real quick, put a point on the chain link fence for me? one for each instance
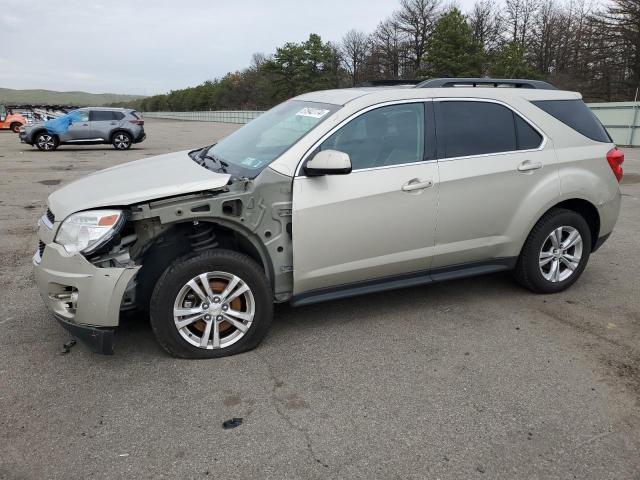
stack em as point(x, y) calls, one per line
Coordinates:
point(223, 116)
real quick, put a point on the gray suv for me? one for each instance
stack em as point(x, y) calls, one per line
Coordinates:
point(87, 126)
point(329, 195)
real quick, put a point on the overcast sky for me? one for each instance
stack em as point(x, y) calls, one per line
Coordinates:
point(149, 47)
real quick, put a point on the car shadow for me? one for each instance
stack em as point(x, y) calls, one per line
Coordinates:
point(135, 337)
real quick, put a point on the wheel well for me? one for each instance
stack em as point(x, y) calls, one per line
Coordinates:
point(588, 211)
point(187, 239)
point(42, 130)
point(113, 134)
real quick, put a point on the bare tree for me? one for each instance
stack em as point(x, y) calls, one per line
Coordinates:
point(354, 49)
point(387, 48)
point(519, 14)
point(416, 19)
point(486, 22)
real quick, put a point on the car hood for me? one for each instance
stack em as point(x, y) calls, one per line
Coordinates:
point(134, 182)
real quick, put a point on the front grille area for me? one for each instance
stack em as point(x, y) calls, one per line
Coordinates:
point(50, 216)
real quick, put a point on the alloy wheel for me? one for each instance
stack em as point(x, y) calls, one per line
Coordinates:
point(214, 310)
point(560, 254)
point(46, 142)
point(121, 141)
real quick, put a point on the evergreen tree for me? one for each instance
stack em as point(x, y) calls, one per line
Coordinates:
point(452, 49)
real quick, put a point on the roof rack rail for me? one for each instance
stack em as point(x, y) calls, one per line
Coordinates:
point(388, 83)
point(483, 82)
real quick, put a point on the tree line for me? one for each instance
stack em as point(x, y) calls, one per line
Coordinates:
point(574, 44)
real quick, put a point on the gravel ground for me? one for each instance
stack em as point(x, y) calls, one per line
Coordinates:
point(467, 379)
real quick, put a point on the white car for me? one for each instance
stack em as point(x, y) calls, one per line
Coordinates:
point(328, 195)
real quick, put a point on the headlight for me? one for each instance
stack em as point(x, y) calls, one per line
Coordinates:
point(87, 231)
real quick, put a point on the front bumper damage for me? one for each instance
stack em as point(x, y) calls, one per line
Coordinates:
point(85, 299)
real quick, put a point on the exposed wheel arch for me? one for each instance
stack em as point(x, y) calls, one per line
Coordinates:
point(184, 239)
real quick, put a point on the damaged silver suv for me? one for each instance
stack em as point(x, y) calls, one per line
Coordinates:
point(329, 195)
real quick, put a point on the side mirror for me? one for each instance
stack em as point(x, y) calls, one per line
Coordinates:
point(328, 162)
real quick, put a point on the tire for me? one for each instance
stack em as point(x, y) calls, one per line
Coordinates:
point(15, 127)
point(122, 141)
point(536, 268)
point(172, 291)
point(45, 141)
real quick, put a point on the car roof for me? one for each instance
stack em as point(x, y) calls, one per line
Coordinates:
point(374, 95)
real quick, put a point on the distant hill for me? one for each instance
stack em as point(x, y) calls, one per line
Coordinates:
point(50, 97)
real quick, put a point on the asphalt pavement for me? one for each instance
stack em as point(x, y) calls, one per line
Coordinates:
point(475, 378)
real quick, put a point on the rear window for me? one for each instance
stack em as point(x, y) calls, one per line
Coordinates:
point(575, 114)
point(134, 114)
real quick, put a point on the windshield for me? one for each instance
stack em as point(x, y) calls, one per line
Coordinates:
point(254, 146)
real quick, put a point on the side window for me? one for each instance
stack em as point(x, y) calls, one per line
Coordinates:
point(117, 115)
point(575, 114)
point(390, 135)
point(101, 115)
point(83, 115)
point(474, 128)
point(528, 138)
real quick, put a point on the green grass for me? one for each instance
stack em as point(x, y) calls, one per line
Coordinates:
point(50, 97)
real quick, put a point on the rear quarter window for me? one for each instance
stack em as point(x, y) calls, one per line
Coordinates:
point(575, 114)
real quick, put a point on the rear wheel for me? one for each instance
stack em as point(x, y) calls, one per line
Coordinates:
point(46, 142)
point(15, 127)
point(555, 253)
point(216, 304)
point(122, 141)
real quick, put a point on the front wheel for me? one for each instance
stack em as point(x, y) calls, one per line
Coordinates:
point(555, 253)
point(46, 142)
point(15, 127)
point(215, 304)
point(122, 141)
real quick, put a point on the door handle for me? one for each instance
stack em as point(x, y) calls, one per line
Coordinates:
point(416, 184)
point(85, 124)
point(528, 165)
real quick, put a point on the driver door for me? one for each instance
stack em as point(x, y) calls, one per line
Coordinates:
point(377, 223)
point(79, 130)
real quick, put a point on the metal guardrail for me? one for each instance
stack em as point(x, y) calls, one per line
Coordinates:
point(222, 116)
point(621, 119)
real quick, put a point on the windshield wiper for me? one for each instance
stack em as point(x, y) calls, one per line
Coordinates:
point(204, 154)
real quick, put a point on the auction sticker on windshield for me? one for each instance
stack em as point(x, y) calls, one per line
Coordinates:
point(312, 112)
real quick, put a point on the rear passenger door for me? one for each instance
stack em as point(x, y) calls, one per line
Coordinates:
point(103, 122)
point(496, 171)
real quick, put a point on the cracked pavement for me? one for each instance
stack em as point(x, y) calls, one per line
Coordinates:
point(475, 378)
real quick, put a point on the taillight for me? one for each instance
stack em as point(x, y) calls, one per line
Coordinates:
point(137, 122)
point(615, 158)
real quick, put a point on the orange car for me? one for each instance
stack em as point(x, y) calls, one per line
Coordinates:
point(11, 120)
